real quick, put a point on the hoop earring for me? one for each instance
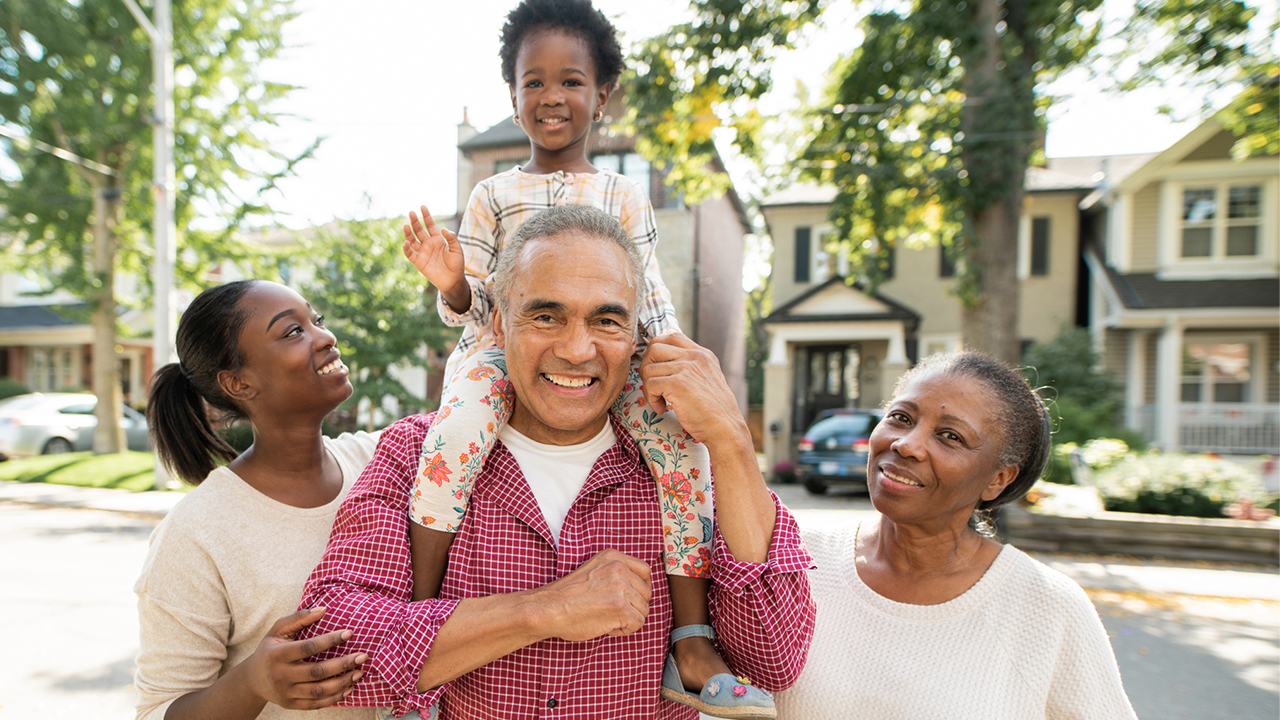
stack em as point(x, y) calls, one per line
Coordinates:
point(515, 119)
point(599, 115)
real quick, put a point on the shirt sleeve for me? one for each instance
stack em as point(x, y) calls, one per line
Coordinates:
point(184, 621)
point(763, 613)
point(478, 235)
point(1086, 679)
point(365, 582)
point(657, 314)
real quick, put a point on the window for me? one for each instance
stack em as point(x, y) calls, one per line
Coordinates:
point(1209, 232)
point(946, 267)
point(632, 165)
point(1217, 372)
point(51, 369)
point(1040, 246)
point(802, 254)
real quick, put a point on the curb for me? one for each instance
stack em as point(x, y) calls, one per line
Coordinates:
point(152, 504)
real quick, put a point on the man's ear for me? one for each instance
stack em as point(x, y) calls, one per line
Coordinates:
point(235, 387)
point(1004, 476)
point(499, 332)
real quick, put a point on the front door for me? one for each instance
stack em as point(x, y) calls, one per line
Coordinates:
point(827, 378)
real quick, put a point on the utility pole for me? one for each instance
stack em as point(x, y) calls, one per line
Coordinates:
point(164, 227)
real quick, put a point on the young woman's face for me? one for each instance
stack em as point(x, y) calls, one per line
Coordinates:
point(933, 456)
point(556, 95)
point(291, 362)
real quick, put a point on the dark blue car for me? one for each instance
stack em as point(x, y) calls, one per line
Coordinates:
point(833, 450)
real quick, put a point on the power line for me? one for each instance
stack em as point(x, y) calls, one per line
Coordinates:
point(58, 152)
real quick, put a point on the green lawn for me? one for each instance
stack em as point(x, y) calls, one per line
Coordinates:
point(129, 470)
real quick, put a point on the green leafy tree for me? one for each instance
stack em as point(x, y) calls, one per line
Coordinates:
point(929, 124)
point(378, 306)
point(1085, 400)
point(77, 76)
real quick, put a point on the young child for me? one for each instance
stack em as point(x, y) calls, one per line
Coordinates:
point(560, 59)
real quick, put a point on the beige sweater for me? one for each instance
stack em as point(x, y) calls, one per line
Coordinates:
point(224, 565)
point(1024, 642)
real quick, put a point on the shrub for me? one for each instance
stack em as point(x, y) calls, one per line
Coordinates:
point(1175, 484)
point(10, 387)
point(784, 472)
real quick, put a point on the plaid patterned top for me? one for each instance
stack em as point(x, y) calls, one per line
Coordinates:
point(501, 203)
point(763, 613)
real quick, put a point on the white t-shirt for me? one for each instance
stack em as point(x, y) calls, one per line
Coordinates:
point(556, 473)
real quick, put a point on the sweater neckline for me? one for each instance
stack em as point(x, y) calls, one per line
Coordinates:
point(941, 612)
point(275, 506)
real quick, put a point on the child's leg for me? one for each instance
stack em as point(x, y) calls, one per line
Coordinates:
point(453, 454)
point(682, 469)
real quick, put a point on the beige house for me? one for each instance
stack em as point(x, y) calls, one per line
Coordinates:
point(834, 344)
point(1184, 262)
point(700, 247)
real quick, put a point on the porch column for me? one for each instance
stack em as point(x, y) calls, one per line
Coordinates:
point(777, 401)
point(1168, 384)
point(1135, 379)
point(895, 362)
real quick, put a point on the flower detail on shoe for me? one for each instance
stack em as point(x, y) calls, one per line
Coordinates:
point(739, 690)
point(713, 688)
point(743, 680)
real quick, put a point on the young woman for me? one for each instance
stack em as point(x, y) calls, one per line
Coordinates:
point(233, 555)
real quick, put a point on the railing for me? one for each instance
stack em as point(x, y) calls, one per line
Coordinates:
point(1244, 428)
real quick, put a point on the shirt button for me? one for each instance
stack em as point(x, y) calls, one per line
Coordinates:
point(552, 703)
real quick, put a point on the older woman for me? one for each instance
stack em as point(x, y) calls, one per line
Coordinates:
point(921, 614)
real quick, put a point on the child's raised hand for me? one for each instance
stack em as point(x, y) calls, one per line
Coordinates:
point(436, 252)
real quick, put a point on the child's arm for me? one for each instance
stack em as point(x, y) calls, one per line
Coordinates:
point(437, 254)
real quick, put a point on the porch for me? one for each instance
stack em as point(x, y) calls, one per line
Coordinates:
point(1225, 428)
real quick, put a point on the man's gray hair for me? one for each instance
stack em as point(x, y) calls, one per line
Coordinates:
point(565, 220)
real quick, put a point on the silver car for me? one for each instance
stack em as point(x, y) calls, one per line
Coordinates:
point(45, 423)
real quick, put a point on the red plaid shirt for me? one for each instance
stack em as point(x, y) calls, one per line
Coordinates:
point(762, 613)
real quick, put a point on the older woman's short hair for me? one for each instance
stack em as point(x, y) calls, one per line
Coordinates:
point(580, 220)
point(1022, 417)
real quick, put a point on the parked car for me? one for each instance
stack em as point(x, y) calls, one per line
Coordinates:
point(833, 450)
point(47, 423)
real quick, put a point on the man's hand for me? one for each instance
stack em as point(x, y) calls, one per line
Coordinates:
point(437, 254)
point(683, 376)
point(607, 595)
point(278, 673)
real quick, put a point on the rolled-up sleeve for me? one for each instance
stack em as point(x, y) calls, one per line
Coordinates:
point(365, 582)
point(763, 613)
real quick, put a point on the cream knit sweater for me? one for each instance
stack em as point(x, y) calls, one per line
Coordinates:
point(224, 565)
point(1024, 642)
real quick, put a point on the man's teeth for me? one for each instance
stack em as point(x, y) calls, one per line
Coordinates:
point(900, 479)
point(568, 382)
point(331, 367)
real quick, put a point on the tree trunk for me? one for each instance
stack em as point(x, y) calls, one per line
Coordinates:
point(108, 437)
point(991, 323)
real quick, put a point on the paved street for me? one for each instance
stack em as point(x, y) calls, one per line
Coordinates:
point(1193, 640)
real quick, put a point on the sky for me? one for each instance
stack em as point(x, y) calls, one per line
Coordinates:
point(387, 82)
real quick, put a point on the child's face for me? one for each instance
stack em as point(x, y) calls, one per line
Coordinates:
point(556, 96)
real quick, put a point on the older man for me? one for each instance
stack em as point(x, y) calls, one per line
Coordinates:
point(573, 624)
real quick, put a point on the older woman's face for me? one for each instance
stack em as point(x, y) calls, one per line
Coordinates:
point(933, 457)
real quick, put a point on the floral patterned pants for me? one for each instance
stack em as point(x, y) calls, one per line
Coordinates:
point(479, 402)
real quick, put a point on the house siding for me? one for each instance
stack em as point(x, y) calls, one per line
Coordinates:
point(1146, 213)
point(1149, 394)
point(1047, 303)
point(1272, 355)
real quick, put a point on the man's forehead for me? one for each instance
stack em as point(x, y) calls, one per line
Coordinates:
point(566, 259)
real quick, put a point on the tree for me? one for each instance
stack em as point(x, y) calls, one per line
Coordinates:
point(929, 123)
point(77, 76)
point(378, 306)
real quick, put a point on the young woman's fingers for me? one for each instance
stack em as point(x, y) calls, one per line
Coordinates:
point(314, 672)
point(302, 649)
point(452, 239)
point(313, 696)
point(289, 625)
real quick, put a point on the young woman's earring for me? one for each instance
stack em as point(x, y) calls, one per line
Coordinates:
point(599, 115)
point(515, 119)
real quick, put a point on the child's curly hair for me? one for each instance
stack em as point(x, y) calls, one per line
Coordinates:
point(576, 17)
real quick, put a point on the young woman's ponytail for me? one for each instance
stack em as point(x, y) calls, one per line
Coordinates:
point(208, 342)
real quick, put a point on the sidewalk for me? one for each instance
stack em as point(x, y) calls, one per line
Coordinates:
point(1092, 572)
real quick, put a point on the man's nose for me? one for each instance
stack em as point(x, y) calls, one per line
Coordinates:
point(576, 344)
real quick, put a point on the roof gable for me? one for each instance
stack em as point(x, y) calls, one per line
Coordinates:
point(834, 300)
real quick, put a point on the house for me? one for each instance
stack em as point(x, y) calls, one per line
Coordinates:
point(46, 341)
point(835, 343)
point(1183, 257)
point(700, 248)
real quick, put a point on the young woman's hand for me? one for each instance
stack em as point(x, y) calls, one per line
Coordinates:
point(437, 254)
point(279, 674)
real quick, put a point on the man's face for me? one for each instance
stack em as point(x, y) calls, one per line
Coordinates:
point(569, 336)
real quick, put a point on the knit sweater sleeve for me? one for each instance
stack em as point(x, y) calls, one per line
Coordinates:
point(184, 621)
point(1085, 683)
